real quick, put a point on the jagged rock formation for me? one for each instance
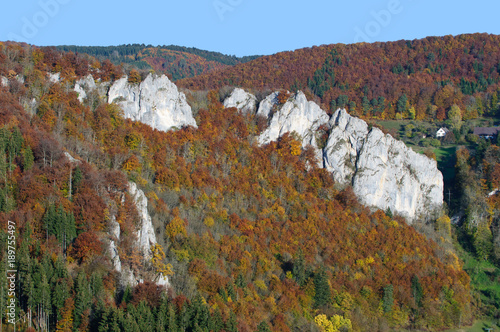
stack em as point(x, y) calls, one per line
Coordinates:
point(156, 102)
point(242, 100)
point(84, 85)
point(344, 142)
point(297, 115)
point(384, 172)
point(114, 232)
point(146, 235)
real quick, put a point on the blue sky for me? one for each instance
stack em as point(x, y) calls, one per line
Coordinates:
point(241, 27)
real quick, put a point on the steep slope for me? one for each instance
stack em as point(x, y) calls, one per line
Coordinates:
point(296, 115)
point(384, 172)
point(258, 237)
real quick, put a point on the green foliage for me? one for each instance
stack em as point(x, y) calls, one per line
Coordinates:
point(299, 268)
point(388, 299)
point(322, 292)
point(482, 241)
point(263, 327)
point(402, 103)
point(61, 224)
point(417, 291)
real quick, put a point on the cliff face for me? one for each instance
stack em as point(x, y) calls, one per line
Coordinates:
point(156, 102)
point(242, 100)
point(84, 85)
point(384, 172)
point(297, 115)
point(145, 239)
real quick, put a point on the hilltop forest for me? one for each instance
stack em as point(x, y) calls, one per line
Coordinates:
point(253, 238)
point(175, 61)
point(419, 79)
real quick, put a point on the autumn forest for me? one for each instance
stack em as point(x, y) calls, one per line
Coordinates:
point(252, 237)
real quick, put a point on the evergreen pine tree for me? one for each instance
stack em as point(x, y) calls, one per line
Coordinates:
point(322, 295)
point(299, 269)
point(83, 298)
point(417, 290)
point(231, 324)
point(388, 298)
point(263, 327)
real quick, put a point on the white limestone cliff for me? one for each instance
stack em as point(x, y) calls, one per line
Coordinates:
point(146, 235)
point(383, 171)
point(242, 100)
point(114, 232)
point(156, 102)
point(297, 115)
point(343, 145)
point(84, 85)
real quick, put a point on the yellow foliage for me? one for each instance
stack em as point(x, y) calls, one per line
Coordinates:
point(344, 301)
point(444, 224)
point(132, 164)
point(175, 227)
point(358, 276)
point(152, 195)
point(209, 221)
point(260, 284)
point(295, 148)
point(333, 324)
point(157, 261)
point(182, 255)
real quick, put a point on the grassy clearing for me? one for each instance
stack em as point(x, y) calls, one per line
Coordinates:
point(479, 326)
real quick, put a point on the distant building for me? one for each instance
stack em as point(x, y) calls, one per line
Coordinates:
point(442, 132)
point(486, 132)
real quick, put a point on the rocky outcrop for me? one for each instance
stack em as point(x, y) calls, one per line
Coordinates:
point(346, 138)
point(383, 171)
point(297, 115)
point(242, 100)
point(156, 102)
point(114, 232)
point(145, 239)
point(146, 235)
point(83, 86)
point(54, 77)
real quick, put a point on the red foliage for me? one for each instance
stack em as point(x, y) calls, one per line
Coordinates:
point(87, 245)
point(148, 291)
point(88, 208)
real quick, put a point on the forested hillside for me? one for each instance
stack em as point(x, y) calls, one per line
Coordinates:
point(256, 238)
point(175, 61)
point(419, 79)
